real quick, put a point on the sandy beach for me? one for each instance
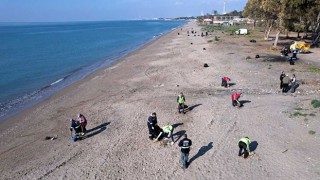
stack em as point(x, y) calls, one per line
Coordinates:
point(118, 100)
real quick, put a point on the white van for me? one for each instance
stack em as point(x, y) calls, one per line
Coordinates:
point(242, 31)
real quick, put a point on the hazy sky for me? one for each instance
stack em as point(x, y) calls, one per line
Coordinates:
point(93, 10)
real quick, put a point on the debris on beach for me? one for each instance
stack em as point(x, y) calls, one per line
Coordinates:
point(257, 56)
point(50, 137)
point(204, 49)
point(205, 65)
point(253, 41)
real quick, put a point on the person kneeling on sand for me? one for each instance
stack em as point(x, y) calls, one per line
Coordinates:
point(185, 145)
point(83, 122)
point(235, 99)
point(244, 145)
point(167, 132)
point(181, 100)
point(76, 126)
point(224, 82)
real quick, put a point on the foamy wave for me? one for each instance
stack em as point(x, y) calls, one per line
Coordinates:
point(59, 80)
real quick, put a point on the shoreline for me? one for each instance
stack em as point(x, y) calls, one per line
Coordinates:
point(54, 87)
point(117, 101)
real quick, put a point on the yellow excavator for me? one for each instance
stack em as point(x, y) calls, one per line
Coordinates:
point(301, 46)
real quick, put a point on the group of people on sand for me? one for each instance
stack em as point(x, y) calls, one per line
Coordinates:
point(288, 84)
point(156, 133)
point(79, 127)
point(166, 132)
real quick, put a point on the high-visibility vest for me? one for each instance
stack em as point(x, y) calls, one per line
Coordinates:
point(246, 141)
point(167, 129)
point(181, 99)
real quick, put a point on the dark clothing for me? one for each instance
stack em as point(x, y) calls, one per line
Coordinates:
point(150, 130)
point(152, 120)
point(281, 80)
point(154, 131)
point(224, 83)
point(185, 145)
point(236, 103)
point(83, 122)
point(243, 147)
point(285, 88)
point(181, 106)
point(285, 84)
point(76, 126)
point(293, 87)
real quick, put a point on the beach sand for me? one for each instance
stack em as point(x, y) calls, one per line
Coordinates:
point(118, 100)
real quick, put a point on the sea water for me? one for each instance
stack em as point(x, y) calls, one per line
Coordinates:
point(38, 59)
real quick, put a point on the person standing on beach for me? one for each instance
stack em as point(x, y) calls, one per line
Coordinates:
point(285, 84)
point(152, 122)
point(76, 127)
point(181, 100)
point(282, 75)
point(185, 145)
point(244, 145)
point(83, 122)
point(294, 84)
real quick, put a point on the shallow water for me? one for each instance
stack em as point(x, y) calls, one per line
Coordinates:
point(38, 59)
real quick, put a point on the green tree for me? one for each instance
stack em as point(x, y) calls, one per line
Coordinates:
point(286, 15)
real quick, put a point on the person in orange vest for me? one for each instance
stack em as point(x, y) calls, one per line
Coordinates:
point(235, 99)
point(224, 82)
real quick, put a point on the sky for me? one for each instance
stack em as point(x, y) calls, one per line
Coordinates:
point(99, 10)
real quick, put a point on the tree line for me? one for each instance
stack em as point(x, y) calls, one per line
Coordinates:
point(301, 16)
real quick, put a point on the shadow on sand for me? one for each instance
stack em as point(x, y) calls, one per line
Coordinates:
point(203, 150)
point(179, 134)
point(190, 108)
point(253, 145)
point(176, 125)
point(242, 102)
point(96, 130)
point(231, 84)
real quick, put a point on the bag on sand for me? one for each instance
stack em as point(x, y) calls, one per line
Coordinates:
point(294, 87)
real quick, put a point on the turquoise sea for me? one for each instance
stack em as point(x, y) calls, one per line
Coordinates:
point(38, 59)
